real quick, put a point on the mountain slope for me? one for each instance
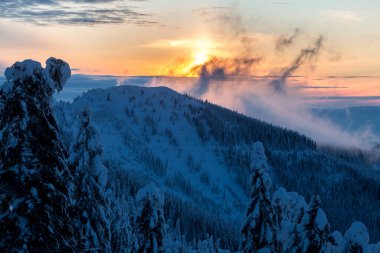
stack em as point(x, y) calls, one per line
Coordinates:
point(199, 154)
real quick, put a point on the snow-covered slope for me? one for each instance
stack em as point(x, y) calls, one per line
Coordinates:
point(136, 123)
point(144, 131)
point(199, 154)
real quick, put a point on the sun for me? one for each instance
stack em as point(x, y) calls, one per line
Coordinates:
point(200, 57)
point(199, 52)
point(202, 51)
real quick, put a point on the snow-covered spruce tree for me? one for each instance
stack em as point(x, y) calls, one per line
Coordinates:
point(290, 208)
point(315, 235)
point(174, 241)
point(91, 204)
point(121, 232)
point(356, 239)
point(150, 221)
point(259, 230)
point(34, 197)
point(209, 245)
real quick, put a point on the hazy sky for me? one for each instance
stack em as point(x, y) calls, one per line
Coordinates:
point(161, 37)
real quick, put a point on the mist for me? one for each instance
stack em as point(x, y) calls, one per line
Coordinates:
point(288, 110)
point(233, 83)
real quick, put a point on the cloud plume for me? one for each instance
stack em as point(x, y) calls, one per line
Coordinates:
point(286, 41)
point(307, 54)
point(219, 69)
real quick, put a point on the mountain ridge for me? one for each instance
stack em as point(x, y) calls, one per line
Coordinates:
point(198, 154)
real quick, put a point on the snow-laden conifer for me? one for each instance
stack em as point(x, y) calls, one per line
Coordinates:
point(91, 203)
point(34, 197)
point(314, 230)
point(121, 231)
point(259, 230)
point(357, 239)
point(290, 208)
point(150, 221)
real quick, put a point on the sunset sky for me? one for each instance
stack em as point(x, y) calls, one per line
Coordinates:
point(167, 37)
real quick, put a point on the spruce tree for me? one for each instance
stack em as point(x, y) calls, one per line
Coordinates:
point(259, 230)
point(150, 221)
point(357, 239)
point(290, 208)
point(34, 198)
point(120, 226)
point(315, 234)
point(91, 204)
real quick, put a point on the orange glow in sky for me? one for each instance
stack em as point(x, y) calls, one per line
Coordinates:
point(172, 37)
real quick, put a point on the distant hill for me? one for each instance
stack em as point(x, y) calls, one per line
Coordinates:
point(199, 153)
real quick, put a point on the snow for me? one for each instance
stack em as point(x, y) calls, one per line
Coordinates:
point(264, 250)
point(56, 73)
point(339, 241)
point(22, 70)
point(126, 137)
point(59, 71)
point(150, 192)
point(321, 220)
point(100, 172)
point(291, 203)
point(259, 160)
point(357, 234)
point(292, 207)
point(267, 181)
point(124, 141)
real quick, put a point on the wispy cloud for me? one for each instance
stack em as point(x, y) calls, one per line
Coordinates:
point(352, 77)
point(346, 98)
point(285, 41)
point(317, 87)
point(182, 43)
point(74, 12)
point(342, 14)
point(208, 11)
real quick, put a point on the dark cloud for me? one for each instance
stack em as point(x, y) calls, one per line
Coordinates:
point(305, 55)
point(23, 3)
point(285, 41)
point(219, 69)
point(232, 28)
point(74, 12)
point(51, 2)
